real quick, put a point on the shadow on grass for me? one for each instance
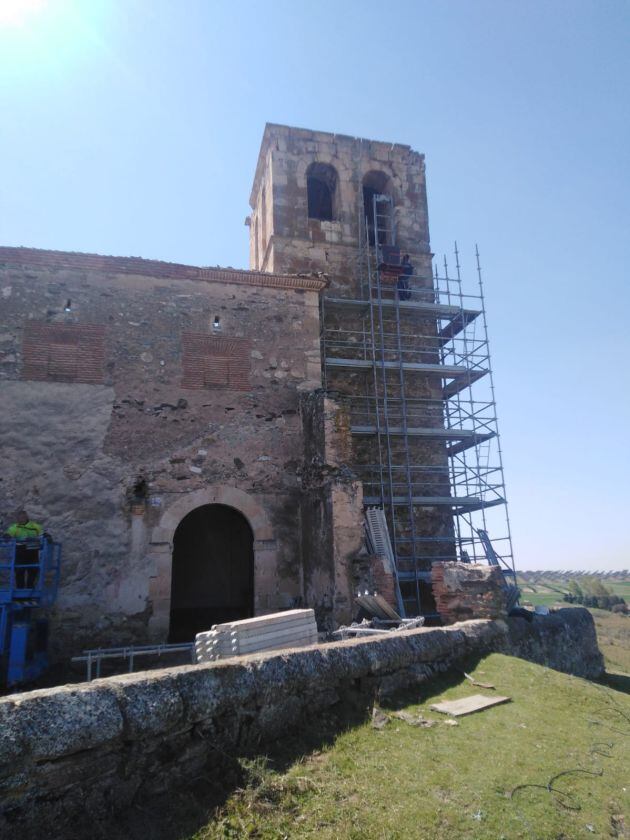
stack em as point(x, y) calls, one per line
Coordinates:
point(183, 811)
point(433, 687)
point(616, 680)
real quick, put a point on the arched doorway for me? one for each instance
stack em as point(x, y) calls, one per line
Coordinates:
point(212, 578)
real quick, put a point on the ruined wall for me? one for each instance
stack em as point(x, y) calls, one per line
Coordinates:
point(124, 384)
point(468, 590)
point(71, 754)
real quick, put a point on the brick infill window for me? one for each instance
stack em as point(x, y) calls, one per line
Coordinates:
point(215, 362)
point(63, 352)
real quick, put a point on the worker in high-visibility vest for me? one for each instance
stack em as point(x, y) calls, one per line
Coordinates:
point(24, 529)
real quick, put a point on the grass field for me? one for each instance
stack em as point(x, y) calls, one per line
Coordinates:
point(454, 781)
point(547, 591)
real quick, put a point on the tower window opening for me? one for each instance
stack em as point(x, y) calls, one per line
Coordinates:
point(321, 188)
point(377, 183)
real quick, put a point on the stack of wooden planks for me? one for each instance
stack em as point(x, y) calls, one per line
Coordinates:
point(290, 629)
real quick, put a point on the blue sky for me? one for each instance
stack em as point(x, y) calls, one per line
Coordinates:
point(132, 127)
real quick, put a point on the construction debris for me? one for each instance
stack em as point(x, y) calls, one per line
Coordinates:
point(379, 719)
point(468, 705)
point(415, 720)
point(473, 681)
point(376, 627)
point(290, 629)
point(377, 606)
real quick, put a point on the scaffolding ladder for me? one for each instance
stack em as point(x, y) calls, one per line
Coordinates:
point(437, 454)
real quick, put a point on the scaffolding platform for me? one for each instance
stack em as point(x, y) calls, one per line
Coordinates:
point(422, 412)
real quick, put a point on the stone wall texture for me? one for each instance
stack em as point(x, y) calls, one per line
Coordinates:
point(90, 750)
point(111, 372)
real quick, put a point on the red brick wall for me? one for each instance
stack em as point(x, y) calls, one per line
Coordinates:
point(63, 352)
point(215, 362)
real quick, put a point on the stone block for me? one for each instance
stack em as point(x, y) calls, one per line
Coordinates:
point(150, 704)
point(64, 721)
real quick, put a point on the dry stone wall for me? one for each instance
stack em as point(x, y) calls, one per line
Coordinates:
point(79, 753)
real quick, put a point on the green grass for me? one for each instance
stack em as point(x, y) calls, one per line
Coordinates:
point(549, 590)
point(448, 781)
point(545, 599)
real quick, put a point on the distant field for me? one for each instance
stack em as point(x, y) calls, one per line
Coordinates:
point(546, 591)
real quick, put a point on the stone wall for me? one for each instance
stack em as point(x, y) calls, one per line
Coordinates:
point(111, 373)
point(74, 751)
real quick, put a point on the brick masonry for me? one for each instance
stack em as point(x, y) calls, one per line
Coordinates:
point(463, 591)
point(64, 352)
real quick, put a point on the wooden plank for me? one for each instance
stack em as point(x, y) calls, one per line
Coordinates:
point(468, 705)
point(377, 605)
point(261, 620)
point(245, 632)
point(283, 646)
point(278, 636)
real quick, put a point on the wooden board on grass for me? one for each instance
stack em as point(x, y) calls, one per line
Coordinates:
point(468, 705)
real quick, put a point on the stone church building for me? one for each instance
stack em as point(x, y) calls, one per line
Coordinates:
point(185, 433)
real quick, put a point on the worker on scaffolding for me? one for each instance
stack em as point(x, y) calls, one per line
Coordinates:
point(403, 279)
point(25, 532)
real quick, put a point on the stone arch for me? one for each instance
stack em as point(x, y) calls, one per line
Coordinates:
point(345, 189)
point(219, 494)
point(161, 549)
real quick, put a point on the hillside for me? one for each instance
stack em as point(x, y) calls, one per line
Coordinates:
point(485, 777)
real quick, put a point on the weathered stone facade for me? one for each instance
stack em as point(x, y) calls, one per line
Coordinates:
point(164, 422)
point(466, 590)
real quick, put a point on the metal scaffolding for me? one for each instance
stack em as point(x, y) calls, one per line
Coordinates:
point(408, 357)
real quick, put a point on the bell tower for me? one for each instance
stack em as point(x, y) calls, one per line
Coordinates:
point(399, 347)
point(312, 192)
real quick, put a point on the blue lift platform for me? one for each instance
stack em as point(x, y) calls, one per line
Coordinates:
point(27, 588)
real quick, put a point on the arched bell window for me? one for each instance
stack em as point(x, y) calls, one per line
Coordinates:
point(321, 188)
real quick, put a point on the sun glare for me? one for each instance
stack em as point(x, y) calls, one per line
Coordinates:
point(19, 12)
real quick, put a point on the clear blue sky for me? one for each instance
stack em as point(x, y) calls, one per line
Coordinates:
point(132, 127)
